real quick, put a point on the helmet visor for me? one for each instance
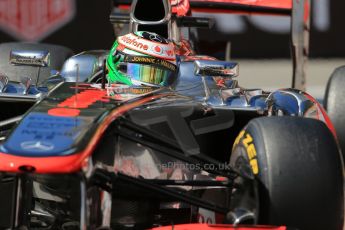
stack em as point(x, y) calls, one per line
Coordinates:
point(147, 70)
point(149, 74)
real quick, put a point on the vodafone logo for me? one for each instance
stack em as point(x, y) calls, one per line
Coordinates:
point(32, 20)
point(156, 49)
point(133, 42)
point(170, 52)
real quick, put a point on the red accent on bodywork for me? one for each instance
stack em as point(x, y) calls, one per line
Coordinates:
point(83, 99)
point(183, 7)
point(306, 12)
point(324, 114)
point(124, 7)
point(225, 11)
point(218, 227)
point(221, 178)
point(180, 7)
point(272, 4)
point(64, 112)
point(70, 163)
point(199, 57)
point(184, 48)
point(281, 4)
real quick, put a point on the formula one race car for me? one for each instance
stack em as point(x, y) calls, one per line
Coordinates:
point(151, 135)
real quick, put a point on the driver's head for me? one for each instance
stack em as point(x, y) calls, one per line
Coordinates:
point(142, 58)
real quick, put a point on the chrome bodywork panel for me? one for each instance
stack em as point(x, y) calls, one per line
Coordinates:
point(289, 102)
point(293, 102)
point(89, 63)
point(84, 67)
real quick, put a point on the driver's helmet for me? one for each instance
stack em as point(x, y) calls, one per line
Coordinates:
point(142, 59)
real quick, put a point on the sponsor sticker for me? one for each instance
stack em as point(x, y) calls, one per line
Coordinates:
point(248, 144)
point(133, 42)
point(40, 146)
point(251, 153)
point(40, 134)
point(150, 60)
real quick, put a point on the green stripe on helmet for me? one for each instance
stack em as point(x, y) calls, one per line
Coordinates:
point(113, 74)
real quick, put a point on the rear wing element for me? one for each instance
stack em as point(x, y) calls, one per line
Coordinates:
point(182, 7)
point(275, 7)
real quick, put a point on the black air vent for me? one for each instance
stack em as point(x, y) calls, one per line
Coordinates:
point(152, 10)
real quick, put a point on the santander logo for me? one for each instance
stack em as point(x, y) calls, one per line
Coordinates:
point(133, 42)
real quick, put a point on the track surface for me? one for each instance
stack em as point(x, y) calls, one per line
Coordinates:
point(274, 74)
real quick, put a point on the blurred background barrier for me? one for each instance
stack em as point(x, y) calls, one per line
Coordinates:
point(77, 24)
point(84, 24)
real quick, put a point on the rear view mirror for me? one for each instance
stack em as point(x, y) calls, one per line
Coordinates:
point(37, 58)
point(216, 68)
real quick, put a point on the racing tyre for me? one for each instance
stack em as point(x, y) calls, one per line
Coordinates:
point(295, 168)
point(333, 102)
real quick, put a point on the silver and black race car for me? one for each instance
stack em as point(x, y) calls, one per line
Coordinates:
point(81, 152)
